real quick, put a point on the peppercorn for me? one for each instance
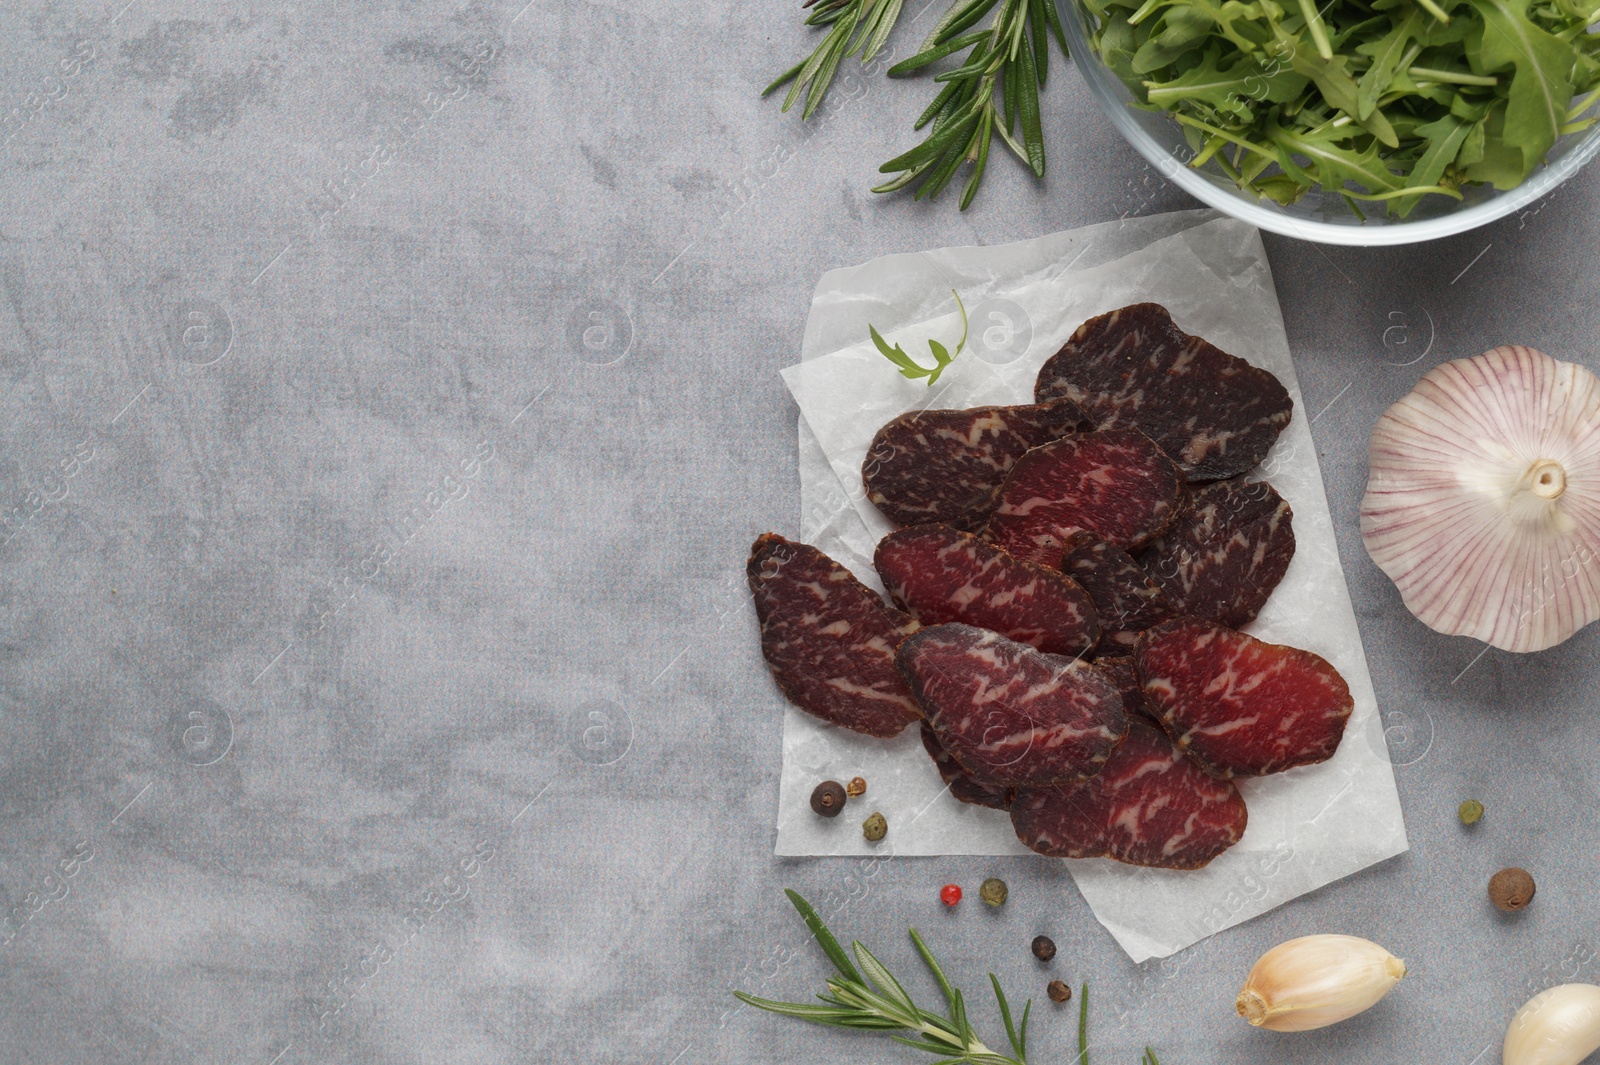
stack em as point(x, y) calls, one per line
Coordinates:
point(1470, 812)
point(857, 788)
point(993, 891)
point(1058, 991)
point(1511, 889)
point(828, 798)
point(950, 894)
point(875, 828)
point(1044, 948)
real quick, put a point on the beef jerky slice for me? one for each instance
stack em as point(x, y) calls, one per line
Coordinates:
point(1117, 485)
point(1214, 413)
point(947, 465)
point(1239, 706)
point(1012, 716)
point(1126, 599)
point(938, 574)
point(963, 785)
point(829, 639)
point(1223, 557)
point(1149, 806)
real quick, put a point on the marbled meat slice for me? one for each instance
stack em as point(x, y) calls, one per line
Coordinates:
point(1117, 485)
point(938, 574)
point(1237, 705)
point(946, 465)
point(1125, 598)
point(1214, 413)
point(1223, 557)
point(1124, 673)
point(963, 785)
point(829, 639)
point(1149, 806)
point(1012, 716)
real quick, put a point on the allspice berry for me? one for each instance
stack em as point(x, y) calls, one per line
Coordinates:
point(857, 787)
point(1058, 991)
point(993, 891)
point(875, 828)
point(1511, 889)
point(1044, 948)
point(828, 798)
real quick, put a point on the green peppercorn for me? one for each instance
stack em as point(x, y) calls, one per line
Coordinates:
point(828, 798)
point(1044, 948)
point(1470, 812)
point(875, 828)
point(1058, 991)
point(993, 891)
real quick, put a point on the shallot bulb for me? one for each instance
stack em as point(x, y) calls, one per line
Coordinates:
point(1483, 498)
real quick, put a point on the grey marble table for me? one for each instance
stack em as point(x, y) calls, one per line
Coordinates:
point(388, 397)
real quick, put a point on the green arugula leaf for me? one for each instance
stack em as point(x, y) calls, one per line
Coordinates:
point(1541, 88)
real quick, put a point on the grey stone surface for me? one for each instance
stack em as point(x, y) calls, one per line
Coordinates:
point(388, 396)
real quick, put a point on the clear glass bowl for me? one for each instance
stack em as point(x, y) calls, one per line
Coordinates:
point(1318, 216)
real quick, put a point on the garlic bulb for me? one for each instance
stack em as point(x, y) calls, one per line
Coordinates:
point(1560, 1026)
point(1483, 498)
point(1315, 981)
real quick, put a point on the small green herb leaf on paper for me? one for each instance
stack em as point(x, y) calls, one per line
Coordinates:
point(942, 357)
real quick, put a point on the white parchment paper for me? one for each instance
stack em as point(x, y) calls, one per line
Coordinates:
point(1308, 827)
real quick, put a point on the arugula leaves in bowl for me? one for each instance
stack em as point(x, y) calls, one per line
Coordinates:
point(1390, 101)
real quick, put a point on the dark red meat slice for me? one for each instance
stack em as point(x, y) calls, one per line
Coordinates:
point(1124, 673)
point(963, 785)
point(1012, 716)
point(1237, 705)
point(946, 465)
point(829, 639)
point(1214, 413)
point(938, 574)
point(1117, 485)
point(1126, 600)
point(1149, 806)
point(1225, 555)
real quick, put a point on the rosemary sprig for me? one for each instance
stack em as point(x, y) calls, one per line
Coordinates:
point(883, 1005)
point(941, 357)
point(857, 26)
point(995, 89)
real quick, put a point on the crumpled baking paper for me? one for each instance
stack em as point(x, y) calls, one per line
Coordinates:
point(1309, 826)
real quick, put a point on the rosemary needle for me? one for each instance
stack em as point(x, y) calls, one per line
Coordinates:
point(994, 90)
point(857, 26)
point(876, 1001)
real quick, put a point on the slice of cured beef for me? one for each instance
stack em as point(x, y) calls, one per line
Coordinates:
point(829, 639)
point(1223, 557)
point(1214, 413)
point(1237, 705)
point(1012, 716)
point(1124, 673)
point(1117, 485)
point(939, 574)
point(1126, 599)
point(1149, 806)
point(963, 785)
point(946, 465)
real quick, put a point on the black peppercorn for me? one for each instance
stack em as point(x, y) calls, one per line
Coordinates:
point(828, 798)
point(1044, 948)
point(1058, 991)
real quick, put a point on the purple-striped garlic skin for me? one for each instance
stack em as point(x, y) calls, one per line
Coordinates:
point(1483, 498)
